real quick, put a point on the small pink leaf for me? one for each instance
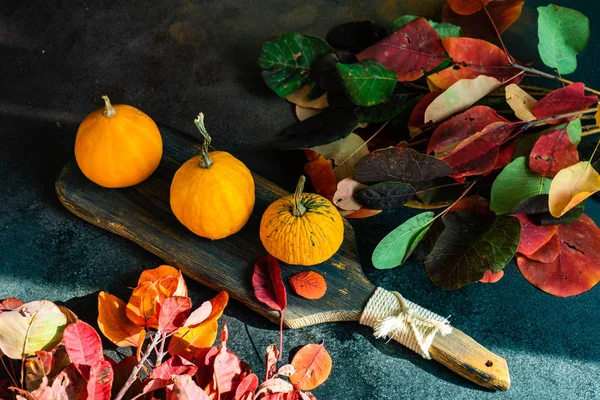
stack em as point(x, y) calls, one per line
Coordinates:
point(199, 315)
point(173, 313)
point(185, 388)
point(83, 346)
point(344, 196)
point(175, 365)
point(271, 357)
point(246, 387)
point(491, 277)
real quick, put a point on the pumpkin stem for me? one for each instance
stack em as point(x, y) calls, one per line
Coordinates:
point(109, 111)
point(299, 208)
point(205, 161)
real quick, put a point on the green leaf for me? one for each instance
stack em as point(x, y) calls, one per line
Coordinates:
point(395, 106)
point(515, 184)
point(444, 29)
point(397, 246)
point(385, 195)
point(286, 60)
point(33, 326)
point(574, 131)
point(563, 33)
point(470, 245)
point(368, 82)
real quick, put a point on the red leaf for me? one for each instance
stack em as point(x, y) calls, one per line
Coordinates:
point(505, 156)
point(247, 386)
point(321, 174)
point(10, 303)
point(548, 252)
point(467, 7)
point(175, 365)
point(552, 152)
point(205, 361)
point(458, 128)
point(576, 269)
point(473, 57)
point(267, 283)
point(504, 13)
point(533, 237)
point(100, 382)
point(417, 117)
point(309, 284)
point(69, 384)
point(271, 357)
point(199, 315)
point(490, 277)
point(562, 101)
point(227, 368)
point(84, 347)
point(410, 51)
point(313, 365)
point(476, 204)
point(173, 313)
point(185, 388)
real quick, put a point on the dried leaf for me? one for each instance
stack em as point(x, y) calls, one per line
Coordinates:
point(301, 98)
point(31, 327)
point(564, 100)
point(69, 384)
point(473, 58)
point(385, 195)
point(460, 96)
point(576, 269)
point(313, 365)
point(553, 152)
point(100, 382)
point(521, 102)
point(306, 113)
point(570, 187)
point(403, 165)
point(273, 385)
point(410, 51)
point(113, 321)
point(84, 347)
point(10, 303)
point(309, 284)
point(344, 196)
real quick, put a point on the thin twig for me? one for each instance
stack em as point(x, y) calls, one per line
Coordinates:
point(543, 74)
point(138, 367)
point(12, 378)
point(361, 146)
point(438, 187)
point(536, 88)
point(447, 210)
point(510, 59)
point(591, 132)
point(544, 121)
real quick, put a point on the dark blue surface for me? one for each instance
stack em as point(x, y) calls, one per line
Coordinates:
point(175, 58)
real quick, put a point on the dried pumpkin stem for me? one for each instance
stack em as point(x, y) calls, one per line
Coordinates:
point(205, 161)
point(299, 208)
point(109, 110)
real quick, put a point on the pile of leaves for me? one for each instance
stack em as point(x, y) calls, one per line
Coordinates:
point(62, 357)
point(434, 115)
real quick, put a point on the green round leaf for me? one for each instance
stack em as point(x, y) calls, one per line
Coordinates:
point(368, 82)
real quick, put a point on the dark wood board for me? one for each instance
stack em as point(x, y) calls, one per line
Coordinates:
point(143, 215)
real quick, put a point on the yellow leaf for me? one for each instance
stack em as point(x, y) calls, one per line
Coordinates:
point(300, 97)
point(460, 96)
point(113, 321)
point(571, 186)
point(521, 102)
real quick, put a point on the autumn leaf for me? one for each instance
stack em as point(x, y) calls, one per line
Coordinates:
point(576, 269)
point(246, 388)
point(385, 195)
point(515, 184)
point(548, 252)
point(553, 152)
point(538, 211)
point(400, 165)
point(306, 113)
point(416, 122)
point(286, 60)
point(227, 368)
point(397, 246)
point(460, 96)
point(491, 277)
point(564, 100)
point(472, 58)
point(321, 174)
point(467, 7)
point(84, 347)
point(571, 186)
point(267, 283)
point(175, 365)
point(173, 313)
point(486, 243)
point(344, 195)
point(504, 13)
point(113, 321)
point(309, 284)
point(410, 51)
point(184, 388)
point(520, 101)
point(301, 98)
point(533, 237)
point(460, 127)
point(368, 82)
point(69, 384)
point(344, 154)
point(563, 33)
point(442, 28)
point(10, 303)
point(100, 382)
point(33, 326)
point(313, 365)
point(199, 315)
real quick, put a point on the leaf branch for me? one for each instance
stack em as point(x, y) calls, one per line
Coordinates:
point(543, 74)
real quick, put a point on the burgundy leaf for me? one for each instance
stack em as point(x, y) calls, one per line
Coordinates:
point(562, 101)
point(100, 383)
point(173, 313)
point(199, 315)
point(267, 283)
point(84, 346)
point(552, 152)
point(410, 51)
point(175, 365)
point(416, 121)
point(205, 361)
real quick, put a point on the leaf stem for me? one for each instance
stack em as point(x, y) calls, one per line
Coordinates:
point(12, 378)
point(138, 367)
point(447, 210)
point(590, 132)
point(544, 121)
point(438, 187)
point(543, 74)
point(205, 161)
point(280, 334)
point(361, 146)
point(510, 59)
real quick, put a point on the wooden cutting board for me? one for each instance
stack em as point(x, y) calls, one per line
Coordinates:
point(142, 214)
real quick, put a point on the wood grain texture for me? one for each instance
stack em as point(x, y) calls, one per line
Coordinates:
point(142, 214)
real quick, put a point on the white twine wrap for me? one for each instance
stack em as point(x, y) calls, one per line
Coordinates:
point(413, 326)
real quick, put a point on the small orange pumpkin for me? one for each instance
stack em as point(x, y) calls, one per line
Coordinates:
point(118, 146)
point(212, 194)
point(302, 229)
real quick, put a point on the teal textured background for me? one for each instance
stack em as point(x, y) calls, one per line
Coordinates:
point(175, 58)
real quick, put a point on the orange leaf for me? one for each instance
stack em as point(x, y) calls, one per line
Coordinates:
point(169, 279)
point(142, 306)
point(467, 7)
point(309, 284)
point(189, 341)
point(113, 321)
point(142, 337)
point(313, 365)
point(321, 174)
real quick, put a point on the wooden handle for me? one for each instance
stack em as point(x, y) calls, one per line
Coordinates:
point(463, 355)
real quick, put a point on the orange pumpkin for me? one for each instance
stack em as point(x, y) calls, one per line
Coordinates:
point(302, 229)
point(212, 194)
point(118, 146)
